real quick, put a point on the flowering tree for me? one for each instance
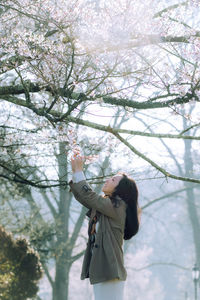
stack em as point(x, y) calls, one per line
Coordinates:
point(58, 56)
point(73, 65)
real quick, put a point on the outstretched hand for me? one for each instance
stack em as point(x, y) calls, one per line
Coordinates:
point(77, 163)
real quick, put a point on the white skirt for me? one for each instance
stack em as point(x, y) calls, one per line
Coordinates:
point(109, 290)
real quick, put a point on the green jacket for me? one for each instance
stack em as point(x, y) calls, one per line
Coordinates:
point(106, 261)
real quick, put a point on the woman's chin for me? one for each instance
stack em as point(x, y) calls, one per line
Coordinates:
point(104, 191)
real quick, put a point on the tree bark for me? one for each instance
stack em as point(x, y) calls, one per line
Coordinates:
point(190, 199)
point(61, 283)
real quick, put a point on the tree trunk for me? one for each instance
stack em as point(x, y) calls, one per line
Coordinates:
point(61, 283)
point(190, 199)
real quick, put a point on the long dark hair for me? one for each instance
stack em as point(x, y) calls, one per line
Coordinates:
point(128, 192)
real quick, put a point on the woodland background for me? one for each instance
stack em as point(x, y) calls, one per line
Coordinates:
point(119, 79)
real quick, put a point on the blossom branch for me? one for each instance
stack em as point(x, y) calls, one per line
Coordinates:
point(124, 102)
point(97, 126)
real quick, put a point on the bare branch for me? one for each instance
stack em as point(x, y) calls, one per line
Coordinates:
point(155, 165)
point(166, 196)
point(160, 264)
point(48, 274)
point(171, 7)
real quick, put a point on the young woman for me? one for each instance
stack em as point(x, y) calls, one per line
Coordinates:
point(113, 217)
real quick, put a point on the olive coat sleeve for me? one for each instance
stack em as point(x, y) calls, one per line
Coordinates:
point(87, 197)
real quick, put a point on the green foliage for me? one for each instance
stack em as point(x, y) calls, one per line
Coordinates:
point(20, 268)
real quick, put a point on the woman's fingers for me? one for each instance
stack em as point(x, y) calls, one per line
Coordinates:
point(77, 163)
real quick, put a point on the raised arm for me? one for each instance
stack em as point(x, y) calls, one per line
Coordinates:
point(87, 197)
point(84, 193)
